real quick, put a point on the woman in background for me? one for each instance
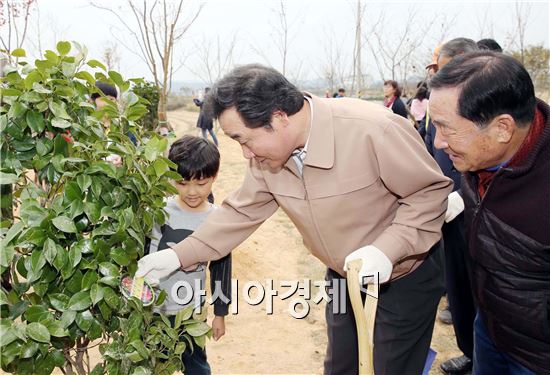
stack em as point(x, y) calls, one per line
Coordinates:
point(392, 98)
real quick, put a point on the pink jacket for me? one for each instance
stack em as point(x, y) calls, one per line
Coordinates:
point(418, 108)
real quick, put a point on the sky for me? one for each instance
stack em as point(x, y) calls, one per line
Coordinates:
point(313, 26)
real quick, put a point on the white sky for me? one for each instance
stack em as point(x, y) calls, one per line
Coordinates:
point(311, 24)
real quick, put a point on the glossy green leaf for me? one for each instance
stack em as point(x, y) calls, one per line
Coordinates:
point(84, 320)
point(80, 301)
point(35, 120)
point(108, 269)
point(43, 146)
point(37, 87)
point(56, 329)
point(58, 109)
point(96, 64)
point(8, 178)
point(111, 297)
point(9, 92)
point(36, 313)
point(59, 301)
point(50, 250)
point(63, 47)
point(197, 329)
point(96, 293)
point(60, 123)
point(38, 332)
point(63, 223)
point(67, 318)
point(29, 349)
point(18, 52)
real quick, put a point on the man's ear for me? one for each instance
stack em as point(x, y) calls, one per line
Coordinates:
point(280, 117)
point(505, 127)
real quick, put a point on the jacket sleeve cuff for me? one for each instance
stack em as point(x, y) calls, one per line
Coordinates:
point(391, 247)
point(221, 309)
point(187, 253)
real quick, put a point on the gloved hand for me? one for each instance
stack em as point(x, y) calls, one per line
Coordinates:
point(158, 265)
point(455, 206)
point(374, 262)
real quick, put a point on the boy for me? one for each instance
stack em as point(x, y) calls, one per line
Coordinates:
point(198, 162)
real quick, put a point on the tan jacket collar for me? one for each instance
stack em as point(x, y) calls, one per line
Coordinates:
point(320, 149)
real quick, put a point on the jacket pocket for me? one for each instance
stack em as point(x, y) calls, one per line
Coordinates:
point(342, 186)
point(289, 189)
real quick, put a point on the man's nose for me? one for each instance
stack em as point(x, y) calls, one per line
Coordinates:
point(439, 140)
point(247, 153)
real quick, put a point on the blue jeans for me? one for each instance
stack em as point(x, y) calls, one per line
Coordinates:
point(194, 360)
point(211, 131)
point(488, 360)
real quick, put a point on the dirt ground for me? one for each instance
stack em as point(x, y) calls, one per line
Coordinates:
point(277, 343)
point(258, 343)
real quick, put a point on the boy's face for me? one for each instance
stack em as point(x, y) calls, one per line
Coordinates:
point(100, 102)
point(193, 194)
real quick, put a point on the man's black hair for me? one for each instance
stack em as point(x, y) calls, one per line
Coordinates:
point(489, 44)
point(256, 92)
point(196, 158)
point(491, 84)
point(106, 89)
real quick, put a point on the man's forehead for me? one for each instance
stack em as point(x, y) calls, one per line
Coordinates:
point(442, 104)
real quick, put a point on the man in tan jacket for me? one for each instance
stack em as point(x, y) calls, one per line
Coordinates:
point(357, 182)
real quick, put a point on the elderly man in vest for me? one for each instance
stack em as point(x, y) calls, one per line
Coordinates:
point(497, 134)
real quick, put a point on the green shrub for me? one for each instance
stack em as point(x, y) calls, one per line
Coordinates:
point(80, 225)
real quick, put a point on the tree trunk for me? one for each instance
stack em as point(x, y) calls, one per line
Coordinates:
point(162, 109)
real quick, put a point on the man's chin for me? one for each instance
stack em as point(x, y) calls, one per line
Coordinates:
point(271, 165)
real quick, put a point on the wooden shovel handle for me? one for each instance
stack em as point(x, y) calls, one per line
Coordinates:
point(364, 317)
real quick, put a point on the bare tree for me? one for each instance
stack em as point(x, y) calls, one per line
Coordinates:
point(516, 38)
point(485, 25)
point(214, 58)
point(282, 33)
point(357, 83)
point(156, 30)
point(14, 15)
point(335, 67)
point(396, 53)
point(282, 36)
point(111, 57)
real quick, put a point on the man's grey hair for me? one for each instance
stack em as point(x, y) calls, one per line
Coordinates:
point(458, 46)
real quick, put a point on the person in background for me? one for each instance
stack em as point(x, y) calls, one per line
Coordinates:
point(392, 98)
point(419, 104)
point(497, 133)
point(460, 311)
point(205, 121)
point(99, 101)
point(341, 93)
point(489, 45)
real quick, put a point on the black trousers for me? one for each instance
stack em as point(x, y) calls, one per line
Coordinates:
point(404, 322)
point(457, 283)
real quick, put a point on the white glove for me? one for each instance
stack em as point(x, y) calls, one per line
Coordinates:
point(375, 262)
point(455, 206)
point(158, 265)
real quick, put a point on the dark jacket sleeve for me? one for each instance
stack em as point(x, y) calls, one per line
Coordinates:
point(220, 284)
